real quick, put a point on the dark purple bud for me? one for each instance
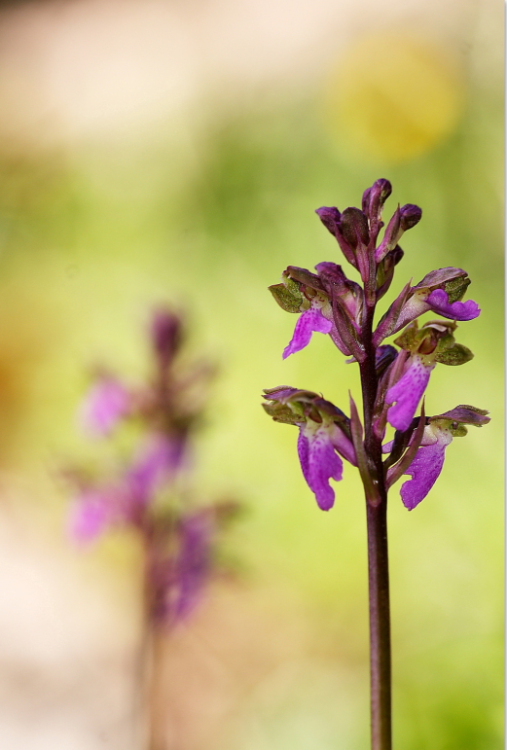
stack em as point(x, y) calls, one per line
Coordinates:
point(404, 218)
point(330, 217)
point(166, 333)
point(354, 227)
point(410, 215)
point(374, 199)
point(385, 270)
point(336, 284)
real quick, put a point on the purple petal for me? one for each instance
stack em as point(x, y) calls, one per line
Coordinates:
point(107, 403)
point(193, 565)
point(439, 303)
point(320, 463)
point(90, 515)
point(310, 321)
point(343, 444)
point(158, 460)
point(425, 469)
point(407, 393)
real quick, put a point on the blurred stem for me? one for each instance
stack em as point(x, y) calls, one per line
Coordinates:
point(154, 676)
point(378, 563)
point(152, 654)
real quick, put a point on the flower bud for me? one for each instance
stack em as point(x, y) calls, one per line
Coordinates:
point(410, 215)
point(404, 218)
point(166, 334)
point(374, 199)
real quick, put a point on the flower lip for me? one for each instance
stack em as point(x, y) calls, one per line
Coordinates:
point(319, 462)
point(439, 302)
point(426, 467)
point(309, 322)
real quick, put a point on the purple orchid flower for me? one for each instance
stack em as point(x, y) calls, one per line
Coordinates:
point(320, 462)
point(106, 404)
point(427, 465)
point(407, 392)
point(433, 293)
point(309, 322)
point(126, 500)
point(324, 436)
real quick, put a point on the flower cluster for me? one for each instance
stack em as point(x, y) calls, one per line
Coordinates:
point(394, 376)
point(149, 492)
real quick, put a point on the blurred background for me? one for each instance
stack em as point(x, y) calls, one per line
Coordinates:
point(169, 151)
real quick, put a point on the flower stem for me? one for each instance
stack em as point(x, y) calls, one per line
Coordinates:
point(380, 639)
point(378, 562)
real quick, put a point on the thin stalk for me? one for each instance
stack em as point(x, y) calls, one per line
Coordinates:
point(155, 713)
point(380, 637)
point(152, 648)
point(378, 564)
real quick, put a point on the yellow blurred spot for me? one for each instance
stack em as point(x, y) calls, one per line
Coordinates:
point(394, 97)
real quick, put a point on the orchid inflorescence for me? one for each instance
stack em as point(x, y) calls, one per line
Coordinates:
point(149, 493)
point(394, 379)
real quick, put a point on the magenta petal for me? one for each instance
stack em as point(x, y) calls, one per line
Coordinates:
point(90, 515)
point(107, 403)
point(309, 322)
point(407, 393)
point(343, 444)
point(158, 461)
point(193, 565)
point(439, 303)
point(425, 470)
point(320, 463)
